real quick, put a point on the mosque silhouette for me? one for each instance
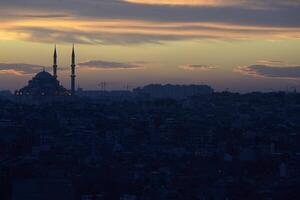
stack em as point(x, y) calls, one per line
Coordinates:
point(46, 84)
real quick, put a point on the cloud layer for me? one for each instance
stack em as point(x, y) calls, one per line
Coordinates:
point(197, 67)
point(254, 4)
point(108, 65)
point(277, 70)
point(19, 69)
point(187, 2)
point(153, 21)
point(23, 69)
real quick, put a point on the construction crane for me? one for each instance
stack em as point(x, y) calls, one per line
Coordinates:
point(127, 87)
point(102, 85)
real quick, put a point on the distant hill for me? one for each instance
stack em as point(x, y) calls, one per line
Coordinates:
point(174, 91)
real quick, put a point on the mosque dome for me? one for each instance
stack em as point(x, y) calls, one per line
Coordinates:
point(43, 84)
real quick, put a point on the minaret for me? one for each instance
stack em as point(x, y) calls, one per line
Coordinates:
point(73, 76)
point(55, 63)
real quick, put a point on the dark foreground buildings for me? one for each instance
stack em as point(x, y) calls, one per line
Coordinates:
point(206, 146)
point(159, 142)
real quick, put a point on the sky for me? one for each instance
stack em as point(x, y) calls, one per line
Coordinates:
point(236, 45)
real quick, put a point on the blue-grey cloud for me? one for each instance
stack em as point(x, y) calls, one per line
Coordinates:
point(284, 71)
point(19, 69)
point(264, 18)
point(285, 13)
point(109, 65)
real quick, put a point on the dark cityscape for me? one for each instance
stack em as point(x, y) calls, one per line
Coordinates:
point(149, 100)
point(155, 142)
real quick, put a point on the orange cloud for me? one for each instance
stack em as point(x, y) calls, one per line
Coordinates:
point(197, 67)
point(254, 4)
point(12, 72)
point(19, 69)
point(188, 2)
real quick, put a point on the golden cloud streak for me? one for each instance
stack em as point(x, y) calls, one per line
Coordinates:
point(22, 29)
point(12, 72)
point(191, 67)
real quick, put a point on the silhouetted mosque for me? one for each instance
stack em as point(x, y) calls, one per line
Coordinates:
point(46, 84)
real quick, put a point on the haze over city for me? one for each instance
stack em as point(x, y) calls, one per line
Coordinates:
point(237, 45)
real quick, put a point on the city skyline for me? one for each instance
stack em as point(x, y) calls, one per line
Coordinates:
point(149, 99)
point(238, 45)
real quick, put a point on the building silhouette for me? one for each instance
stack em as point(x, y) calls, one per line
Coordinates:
point(46, 84)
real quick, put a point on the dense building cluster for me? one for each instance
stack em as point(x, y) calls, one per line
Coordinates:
point(206, 146)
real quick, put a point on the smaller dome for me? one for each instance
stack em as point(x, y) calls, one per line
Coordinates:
point(43, 75)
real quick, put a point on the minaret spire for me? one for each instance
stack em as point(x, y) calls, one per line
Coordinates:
point(73, 75)
point(55, 62)
point(73, 55)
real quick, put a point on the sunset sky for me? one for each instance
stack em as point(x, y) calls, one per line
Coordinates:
point(239, 45)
